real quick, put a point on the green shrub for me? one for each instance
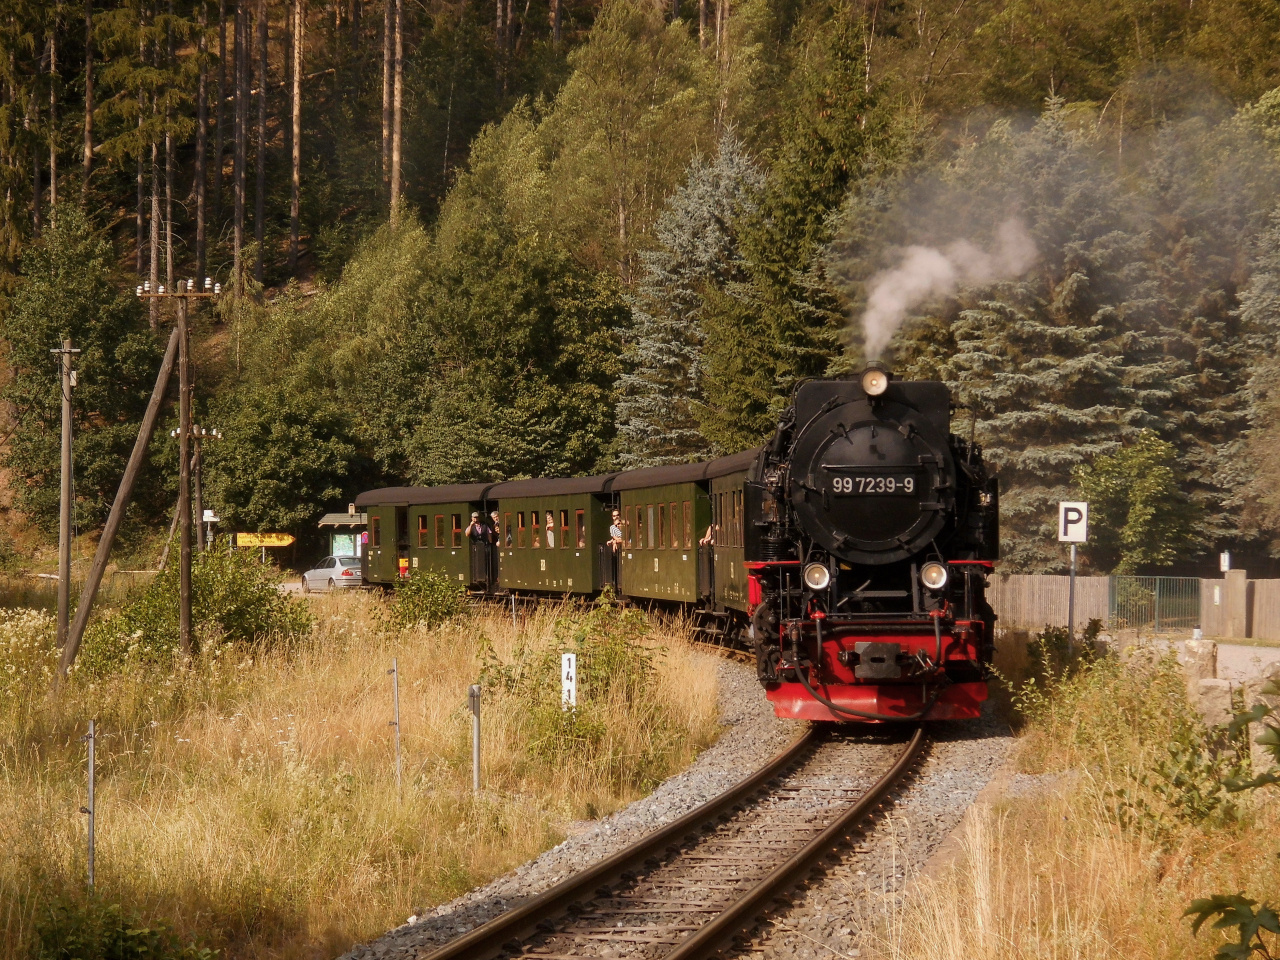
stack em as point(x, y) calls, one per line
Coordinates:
point(234, 599)
point(92, 930)
point(426, 599)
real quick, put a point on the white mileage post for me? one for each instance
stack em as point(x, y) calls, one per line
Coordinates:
point(568, 681)
point(1073, 528)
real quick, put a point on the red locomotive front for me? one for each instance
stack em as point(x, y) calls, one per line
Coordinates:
point(871, 532)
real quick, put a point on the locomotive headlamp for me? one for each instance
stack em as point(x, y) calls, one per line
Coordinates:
point(934, 575)
point(817, 576)
point(875, 381)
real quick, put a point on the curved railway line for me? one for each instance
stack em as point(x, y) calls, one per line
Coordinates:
point(685, 891)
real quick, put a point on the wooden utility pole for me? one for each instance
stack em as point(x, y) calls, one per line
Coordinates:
point(198, 436)
point(184, 480)
point(90, 590)
point(184, 293)
point(64, 513)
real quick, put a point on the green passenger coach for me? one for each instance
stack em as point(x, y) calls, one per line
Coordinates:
point(421, 528)
point(681, 537)
point(551, 532)
point(665, 511)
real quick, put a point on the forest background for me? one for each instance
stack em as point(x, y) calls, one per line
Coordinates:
point(468, 241)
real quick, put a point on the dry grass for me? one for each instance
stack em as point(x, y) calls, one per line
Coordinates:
point(1055, 876)
point(1061, 872)
point(251, 799)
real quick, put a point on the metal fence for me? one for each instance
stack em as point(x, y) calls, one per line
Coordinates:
point(1154, 603)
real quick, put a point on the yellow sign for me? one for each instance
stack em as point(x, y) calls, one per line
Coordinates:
point(263, 539)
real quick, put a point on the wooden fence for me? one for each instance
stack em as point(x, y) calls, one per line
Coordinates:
point(1265, 610)
point(1032, 602)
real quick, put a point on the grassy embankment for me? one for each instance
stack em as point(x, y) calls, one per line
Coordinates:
point(249, 799)
point(1126, 823)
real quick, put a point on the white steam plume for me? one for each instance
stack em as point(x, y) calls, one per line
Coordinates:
point(925, 273)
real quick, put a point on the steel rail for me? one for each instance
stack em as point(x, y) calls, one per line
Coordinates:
point(491, 939)
point(711, 937)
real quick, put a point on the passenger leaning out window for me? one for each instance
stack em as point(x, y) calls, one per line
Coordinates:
point(476, 530)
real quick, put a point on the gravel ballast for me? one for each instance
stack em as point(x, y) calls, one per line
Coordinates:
point(827, 916)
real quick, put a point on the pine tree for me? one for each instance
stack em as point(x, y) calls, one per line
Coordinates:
point(697, 249)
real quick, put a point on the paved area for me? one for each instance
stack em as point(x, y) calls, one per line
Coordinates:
point(1238, 662)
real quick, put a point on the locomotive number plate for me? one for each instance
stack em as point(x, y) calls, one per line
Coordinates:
point(888, 484)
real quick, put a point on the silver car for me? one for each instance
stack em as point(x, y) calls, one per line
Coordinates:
point(333, 573)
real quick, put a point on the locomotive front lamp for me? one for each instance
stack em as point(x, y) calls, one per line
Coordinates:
point(875, 381)
point(934, 575)
point(817, 576)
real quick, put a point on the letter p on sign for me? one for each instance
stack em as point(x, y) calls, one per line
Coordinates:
point(1073, 522)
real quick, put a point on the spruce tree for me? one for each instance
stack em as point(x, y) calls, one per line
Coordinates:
point(1039, 362)
point(697, 252)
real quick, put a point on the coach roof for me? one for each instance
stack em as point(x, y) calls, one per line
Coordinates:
point(410, 496)
point(550, 486)
point(684, 472)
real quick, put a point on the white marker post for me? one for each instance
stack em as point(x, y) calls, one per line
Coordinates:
point(1073, 528)
point(568, 681)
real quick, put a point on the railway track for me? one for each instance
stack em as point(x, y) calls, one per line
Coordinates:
point(687, 890)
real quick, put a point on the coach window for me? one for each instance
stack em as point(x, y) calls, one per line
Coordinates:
point(675, 526)
point(688, 525)
point(737, 518)
point(564, 529)
point(375, 531)
point(520, 540)
point(662, 526)
point(424, 531)
point(457, 529)
point(535, 518)
point(649, 534)
point(439, 529)
point(629, 525)
point(506, 524)
point(580, 528)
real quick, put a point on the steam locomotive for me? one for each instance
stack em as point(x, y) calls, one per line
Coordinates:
point(850, 553)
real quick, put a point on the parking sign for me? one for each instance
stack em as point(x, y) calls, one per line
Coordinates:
point(1073, 522)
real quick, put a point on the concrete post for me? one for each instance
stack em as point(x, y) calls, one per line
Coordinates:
point(1235, 602)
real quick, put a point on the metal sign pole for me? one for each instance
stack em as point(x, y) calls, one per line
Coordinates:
point(91, 738)
point(395, 697)
point(1071, 598)
point(1073, 528)
point(473, 699)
